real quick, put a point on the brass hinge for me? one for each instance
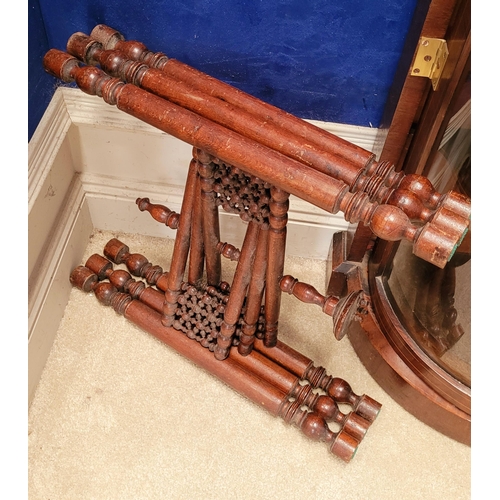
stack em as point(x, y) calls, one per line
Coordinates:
point(430, 59)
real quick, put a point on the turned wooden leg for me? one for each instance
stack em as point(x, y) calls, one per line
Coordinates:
point(276, 401)
point(341, 391)
point(159, 213)
point(336, 388)
point(304, 394)
point(181, 247)
point(211, 231)
point(123, 282)
point(257, 363)
point(137, 264)
point(238, 290)
point(342, 311)
point(197, 247)
point(278, 217)
point(281, 354)
point(435, 242)
point(255, 294)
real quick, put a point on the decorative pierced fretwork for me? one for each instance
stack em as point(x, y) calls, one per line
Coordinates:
point(200, 313)
point(200, 308)
point(242, 194)
point(204, 305)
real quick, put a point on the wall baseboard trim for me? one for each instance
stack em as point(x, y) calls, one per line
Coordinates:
point(46, 143)
point(87, 164)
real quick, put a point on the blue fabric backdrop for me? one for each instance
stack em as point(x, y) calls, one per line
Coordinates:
point(329, 60)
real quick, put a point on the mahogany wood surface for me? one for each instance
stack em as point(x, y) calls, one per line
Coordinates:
point(239, 119)
point(457, 393)
point(159, 213)
point(248, 158)
point(386, 221)
point(437, 109)
point(282, 354)
point(275, 263)
point(404, 385)
point(262, 366)
point(431, 19)
point(416, 125)
point(197, 254)
point(209, 219)
point(398, 364)
point(255, 293)
point(378, 180)
point(181, 246)
point(231, 372)
point(239, 289)
point(112, 39)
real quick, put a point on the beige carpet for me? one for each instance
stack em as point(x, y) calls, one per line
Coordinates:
point(119, 415)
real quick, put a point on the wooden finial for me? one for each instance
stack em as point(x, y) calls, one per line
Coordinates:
point(106, 293)
point(159, 213)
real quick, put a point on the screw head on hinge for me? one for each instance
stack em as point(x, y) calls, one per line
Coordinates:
point(430, 59)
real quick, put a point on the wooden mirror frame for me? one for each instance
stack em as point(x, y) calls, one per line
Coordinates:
point(413, 126)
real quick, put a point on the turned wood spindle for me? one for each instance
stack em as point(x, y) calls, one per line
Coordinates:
point(123, 281)
point(162, 213)
point(210, 225)
point(282, 354)
point(304, 394)
point(181, 247)
point(84, 279)
point(159, 213)
point(257, 363)
point(197, 247)
point(239, 288)
point(341, 391)
point(137, 264)
point(109, 38)
point(337, 388)
point(258, 128)
point(228, 251)
point(308, 294)
point(423, 188)
point(342, 310)
point(275, 401)
point(413, 193)
point(325, 406)
point(386, 221)
point(249, 116)
point(278, 218)
point(255, 293)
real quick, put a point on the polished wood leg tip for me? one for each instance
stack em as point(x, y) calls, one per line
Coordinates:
point(356, 426)
point(220, 353)
point(368, 408)
point(83, 278)
point(344, 446)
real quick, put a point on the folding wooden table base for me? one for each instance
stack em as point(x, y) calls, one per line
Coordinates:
point(248, 158)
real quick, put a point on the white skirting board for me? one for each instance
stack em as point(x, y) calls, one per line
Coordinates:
point(88, 163)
